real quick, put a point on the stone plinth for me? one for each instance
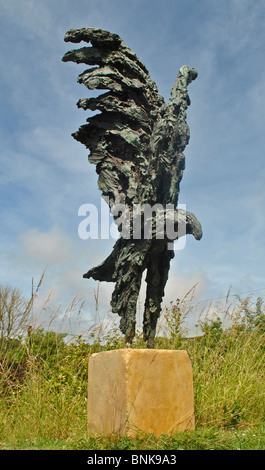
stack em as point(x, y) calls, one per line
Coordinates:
point(132, 390)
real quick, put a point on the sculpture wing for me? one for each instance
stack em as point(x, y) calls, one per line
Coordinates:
point(119, 137)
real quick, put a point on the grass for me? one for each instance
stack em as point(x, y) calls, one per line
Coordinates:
point(43, 380)
point(208, 439)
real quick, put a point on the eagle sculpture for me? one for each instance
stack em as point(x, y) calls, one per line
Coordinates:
point(137, 144)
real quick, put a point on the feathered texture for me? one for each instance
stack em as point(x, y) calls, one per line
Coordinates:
point(137, 144)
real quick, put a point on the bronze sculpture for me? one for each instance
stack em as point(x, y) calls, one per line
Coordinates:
point(137, 144)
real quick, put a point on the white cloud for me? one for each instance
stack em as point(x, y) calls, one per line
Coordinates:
point(32, 15)
point(48, 248)
point(179, 285)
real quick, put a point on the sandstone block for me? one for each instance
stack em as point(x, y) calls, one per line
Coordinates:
point(132, 390)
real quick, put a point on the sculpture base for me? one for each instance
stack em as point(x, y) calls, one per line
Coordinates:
point(134, 390)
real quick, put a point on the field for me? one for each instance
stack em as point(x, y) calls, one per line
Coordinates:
point(43, 378)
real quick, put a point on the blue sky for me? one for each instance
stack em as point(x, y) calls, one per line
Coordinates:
point(44, 173)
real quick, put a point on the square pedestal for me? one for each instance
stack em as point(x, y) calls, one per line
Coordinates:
point(132, 390)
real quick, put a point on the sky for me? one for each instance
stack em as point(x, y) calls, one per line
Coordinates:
point(44, 173)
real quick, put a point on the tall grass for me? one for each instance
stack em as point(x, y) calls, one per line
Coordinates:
point(228, 361)
point(43, 377)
